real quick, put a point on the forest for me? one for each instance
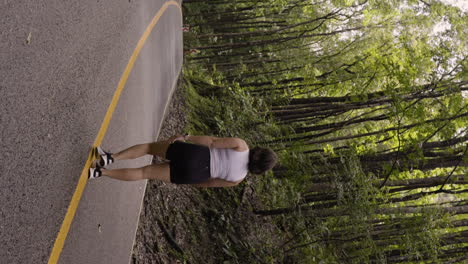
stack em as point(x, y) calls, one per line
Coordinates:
point(365, 103)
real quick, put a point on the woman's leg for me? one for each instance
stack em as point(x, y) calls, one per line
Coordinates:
point(156, 148)
point(155, 172)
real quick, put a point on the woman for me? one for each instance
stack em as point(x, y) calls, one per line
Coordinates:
point(205, 161)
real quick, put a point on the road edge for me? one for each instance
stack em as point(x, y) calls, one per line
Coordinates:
point(174, 85)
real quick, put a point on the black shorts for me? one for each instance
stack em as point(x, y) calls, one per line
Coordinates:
point(189, 163)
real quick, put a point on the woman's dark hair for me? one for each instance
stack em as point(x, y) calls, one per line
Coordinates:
point(261, 160)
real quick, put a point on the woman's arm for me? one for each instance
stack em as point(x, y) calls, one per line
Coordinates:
point(215, 142)
point(213, 182)
point(201, 140)
point(176, 138)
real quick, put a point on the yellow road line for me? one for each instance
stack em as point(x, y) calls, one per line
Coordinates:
point(62, 235)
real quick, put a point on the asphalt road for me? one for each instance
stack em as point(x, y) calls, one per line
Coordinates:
point(61, 62)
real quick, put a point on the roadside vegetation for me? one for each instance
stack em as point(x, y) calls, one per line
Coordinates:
point(366, 104)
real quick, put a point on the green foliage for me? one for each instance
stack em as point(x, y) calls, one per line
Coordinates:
point(226, 111)
point(383, 72)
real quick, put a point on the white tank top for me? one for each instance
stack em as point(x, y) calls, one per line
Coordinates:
point(228, 164)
